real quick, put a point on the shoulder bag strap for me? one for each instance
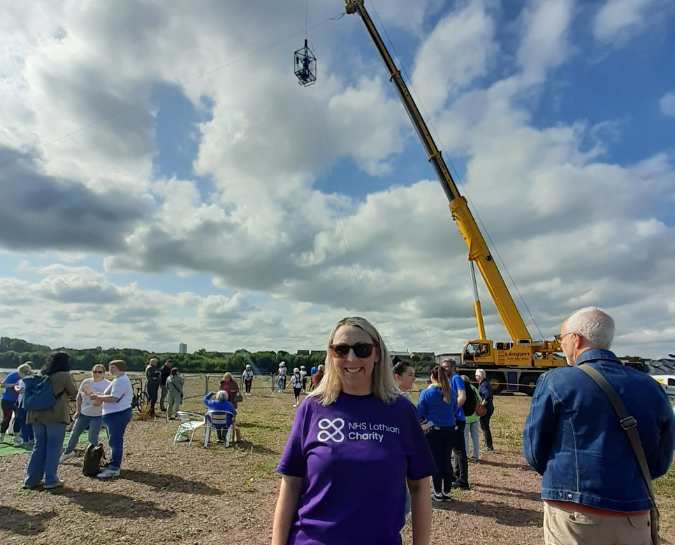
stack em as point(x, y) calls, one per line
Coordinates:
point(629, 425)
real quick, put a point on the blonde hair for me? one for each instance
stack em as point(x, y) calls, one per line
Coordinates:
point(383, 384)
point(98, 366)
point(25, 369)
point(227, 376)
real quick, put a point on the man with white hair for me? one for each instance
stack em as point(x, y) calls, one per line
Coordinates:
point(592, 485)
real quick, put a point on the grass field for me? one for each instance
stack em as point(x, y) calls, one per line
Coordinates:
point(192, 495)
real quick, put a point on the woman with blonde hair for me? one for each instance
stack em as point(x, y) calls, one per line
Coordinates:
point(87, 412)
point(355, 440)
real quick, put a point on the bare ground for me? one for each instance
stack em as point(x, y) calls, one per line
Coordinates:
point(191, 495)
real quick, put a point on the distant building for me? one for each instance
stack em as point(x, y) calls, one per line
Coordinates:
point(182, 348)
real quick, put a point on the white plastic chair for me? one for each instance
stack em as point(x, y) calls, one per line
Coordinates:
point(189, 423)
point(218, 420)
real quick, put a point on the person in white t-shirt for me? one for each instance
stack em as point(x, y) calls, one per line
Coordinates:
point(88, 412)
point(116, 414)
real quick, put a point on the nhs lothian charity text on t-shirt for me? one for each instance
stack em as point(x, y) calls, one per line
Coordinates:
point(354, 457)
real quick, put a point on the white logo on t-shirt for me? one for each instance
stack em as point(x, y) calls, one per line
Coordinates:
point(331, 430)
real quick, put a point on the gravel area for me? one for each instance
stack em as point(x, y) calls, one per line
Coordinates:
point(192, 495)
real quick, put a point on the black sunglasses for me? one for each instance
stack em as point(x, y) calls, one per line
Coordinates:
point(98, 372)
point(361, 350)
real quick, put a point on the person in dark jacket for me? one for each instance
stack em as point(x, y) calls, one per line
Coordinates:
point(165, 373)
point(153, 378)
point(592, 486)
point(49, 425)
point(485, 391)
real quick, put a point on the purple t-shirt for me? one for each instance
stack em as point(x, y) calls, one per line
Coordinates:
point(354, 456)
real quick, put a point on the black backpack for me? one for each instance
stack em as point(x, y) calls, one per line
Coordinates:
point(472, 399)
point(91, 466)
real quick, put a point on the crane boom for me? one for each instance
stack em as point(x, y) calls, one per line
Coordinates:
point(479, 253)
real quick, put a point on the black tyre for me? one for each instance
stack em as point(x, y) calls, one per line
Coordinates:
point(497, 382)
point(141, 402)
point(528, 383)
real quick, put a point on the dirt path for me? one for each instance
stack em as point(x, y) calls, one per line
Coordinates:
point(193, 496)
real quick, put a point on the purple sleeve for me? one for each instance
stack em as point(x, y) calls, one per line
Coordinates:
point(419, 461)
point(292, 461)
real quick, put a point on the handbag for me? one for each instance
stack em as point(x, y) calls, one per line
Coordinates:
point(481, 410)
point(629, 425)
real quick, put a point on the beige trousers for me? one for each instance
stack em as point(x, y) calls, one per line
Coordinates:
point(563, 527)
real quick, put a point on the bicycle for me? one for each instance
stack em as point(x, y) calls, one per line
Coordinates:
point(140, 400)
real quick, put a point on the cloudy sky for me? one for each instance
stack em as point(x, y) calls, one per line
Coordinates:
point(164, 179)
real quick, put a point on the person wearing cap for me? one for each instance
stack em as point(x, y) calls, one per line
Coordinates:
point(281, 377)
point(247, 377)
point(296, 384)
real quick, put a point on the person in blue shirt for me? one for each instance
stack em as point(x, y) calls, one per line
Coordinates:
point(592, 486)
point(436, 409)
point(10, 396)
point(460, 458)
point(218, 402)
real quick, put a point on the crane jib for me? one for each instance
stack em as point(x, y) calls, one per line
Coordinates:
point(464, 219)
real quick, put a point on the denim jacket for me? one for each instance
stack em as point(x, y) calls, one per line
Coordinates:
point(573, 438)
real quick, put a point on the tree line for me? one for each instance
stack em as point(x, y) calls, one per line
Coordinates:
point(13, 352)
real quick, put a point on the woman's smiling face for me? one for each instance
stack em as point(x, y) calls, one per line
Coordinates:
point(355, 372)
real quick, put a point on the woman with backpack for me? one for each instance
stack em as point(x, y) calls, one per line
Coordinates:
point(116, 414)
point(471, 434)
point(87, 413)
point(49, 424)
point(174, 385)
point(486, 396)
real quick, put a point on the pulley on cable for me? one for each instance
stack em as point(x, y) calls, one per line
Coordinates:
point(304, 61)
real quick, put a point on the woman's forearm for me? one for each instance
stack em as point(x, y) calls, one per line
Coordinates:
point(289, 493)
point(107, 399)
point(420, 505)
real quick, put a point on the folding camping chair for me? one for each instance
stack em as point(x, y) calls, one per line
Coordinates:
point(218, 420)
point(189, 423)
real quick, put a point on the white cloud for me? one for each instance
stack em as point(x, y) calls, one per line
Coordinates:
point(545, 44)
point(459, 50)
point(617, 18)
point(667, 104)
point(287, 260)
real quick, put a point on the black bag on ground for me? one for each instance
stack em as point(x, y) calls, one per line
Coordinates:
point(93, 454)
point(471, 399)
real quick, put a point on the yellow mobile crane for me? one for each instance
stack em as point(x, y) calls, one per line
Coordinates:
point(518, 363)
